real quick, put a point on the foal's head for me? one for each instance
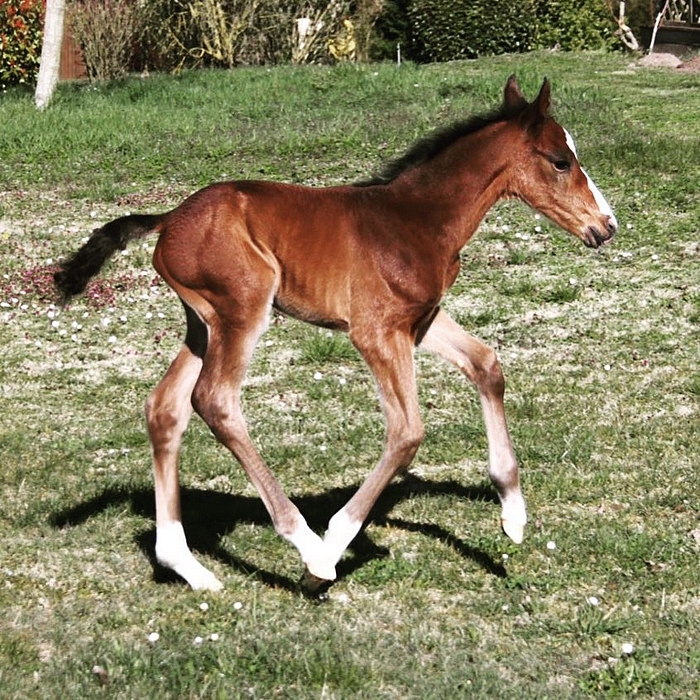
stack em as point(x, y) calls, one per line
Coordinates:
point(548, 176)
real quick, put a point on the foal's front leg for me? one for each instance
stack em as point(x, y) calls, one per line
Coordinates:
point(390, 357)
point(479, 364)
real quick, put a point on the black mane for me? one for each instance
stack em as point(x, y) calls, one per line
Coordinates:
point(430, 146)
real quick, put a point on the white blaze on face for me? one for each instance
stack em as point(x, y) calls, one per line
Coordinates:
point(602, 203)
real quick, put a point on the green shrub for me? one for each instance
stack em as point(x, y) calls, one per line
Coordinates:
point(21, 28)
point(444, 31)
point(365, 15)
point(392, 28)
point(573, 25)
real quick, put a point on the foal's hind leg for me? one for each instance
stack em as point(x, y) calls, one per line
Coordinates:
point(217, 399)
point(168, 412)
point(479, 363)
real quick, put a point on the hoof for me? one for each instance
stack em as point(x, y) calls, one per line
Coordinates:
point(213, 585)
point(323, 570)
point(314, 587)
point(516, 531)
point(206, 582)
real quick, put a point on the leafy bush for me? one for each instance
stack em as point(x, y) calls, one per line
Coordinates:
point(573, 25)
point(392, 28)
point(21, 29)
point(444, 31)
point(107, 31)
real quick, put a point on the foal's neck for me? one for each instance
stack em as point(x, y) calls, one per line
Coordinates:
point(461, 184)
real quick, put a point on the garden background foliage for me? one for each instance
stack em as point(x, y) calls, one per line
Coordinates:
point(120, 36)
point(21, 23)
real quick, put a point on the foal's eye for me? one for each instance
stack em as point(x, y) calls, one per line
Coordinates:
point(561, 165)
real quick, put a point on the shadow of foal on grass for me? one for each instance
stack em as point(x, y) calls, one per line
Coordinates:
point(213, 515)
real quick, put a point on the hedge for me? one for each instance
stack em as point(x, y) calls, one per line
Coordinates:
point(21, 30)
point(445, 31)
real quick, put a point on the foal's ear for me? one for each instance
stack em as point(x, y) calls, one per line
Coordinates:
point(538, 110)
point(513, 98)
point(543, 101)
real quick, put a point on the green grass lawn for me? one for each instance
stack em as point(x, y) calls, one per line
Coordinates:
point(600, 350)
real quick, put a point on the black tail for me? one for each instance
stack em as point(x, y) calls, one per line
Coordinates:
point(76, 272)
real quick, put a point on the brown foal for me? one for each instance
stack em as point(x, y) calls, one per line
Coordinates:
point(372, 259)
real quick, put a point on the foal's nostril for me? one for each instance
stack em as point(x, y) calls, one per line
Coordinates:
point(611, 226)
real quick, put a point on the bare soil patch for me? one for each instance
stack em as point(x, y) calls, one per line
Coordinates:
point(669, 57)
point(660, 60)
point(692, 66)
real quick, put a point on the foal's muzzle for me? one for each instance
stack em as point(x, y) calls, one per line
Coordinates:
point(594, 237)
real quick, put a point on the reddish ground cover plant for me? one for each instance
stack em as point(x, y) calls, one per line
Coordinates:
point(36, 283)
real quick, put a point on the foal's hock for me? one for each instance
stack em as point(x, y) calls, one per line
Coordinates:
point(373, 260)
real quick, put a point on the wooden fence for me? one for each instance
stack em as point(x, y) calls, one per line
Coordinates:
point(72, 64)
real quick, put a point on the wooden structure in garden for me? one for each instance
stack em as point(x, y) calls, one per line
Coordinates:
point(72, 64)
point(680, 22)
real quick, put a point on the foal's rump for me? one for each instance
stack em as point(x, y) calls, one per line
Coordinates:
point(76, 271)
point(207, 225)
